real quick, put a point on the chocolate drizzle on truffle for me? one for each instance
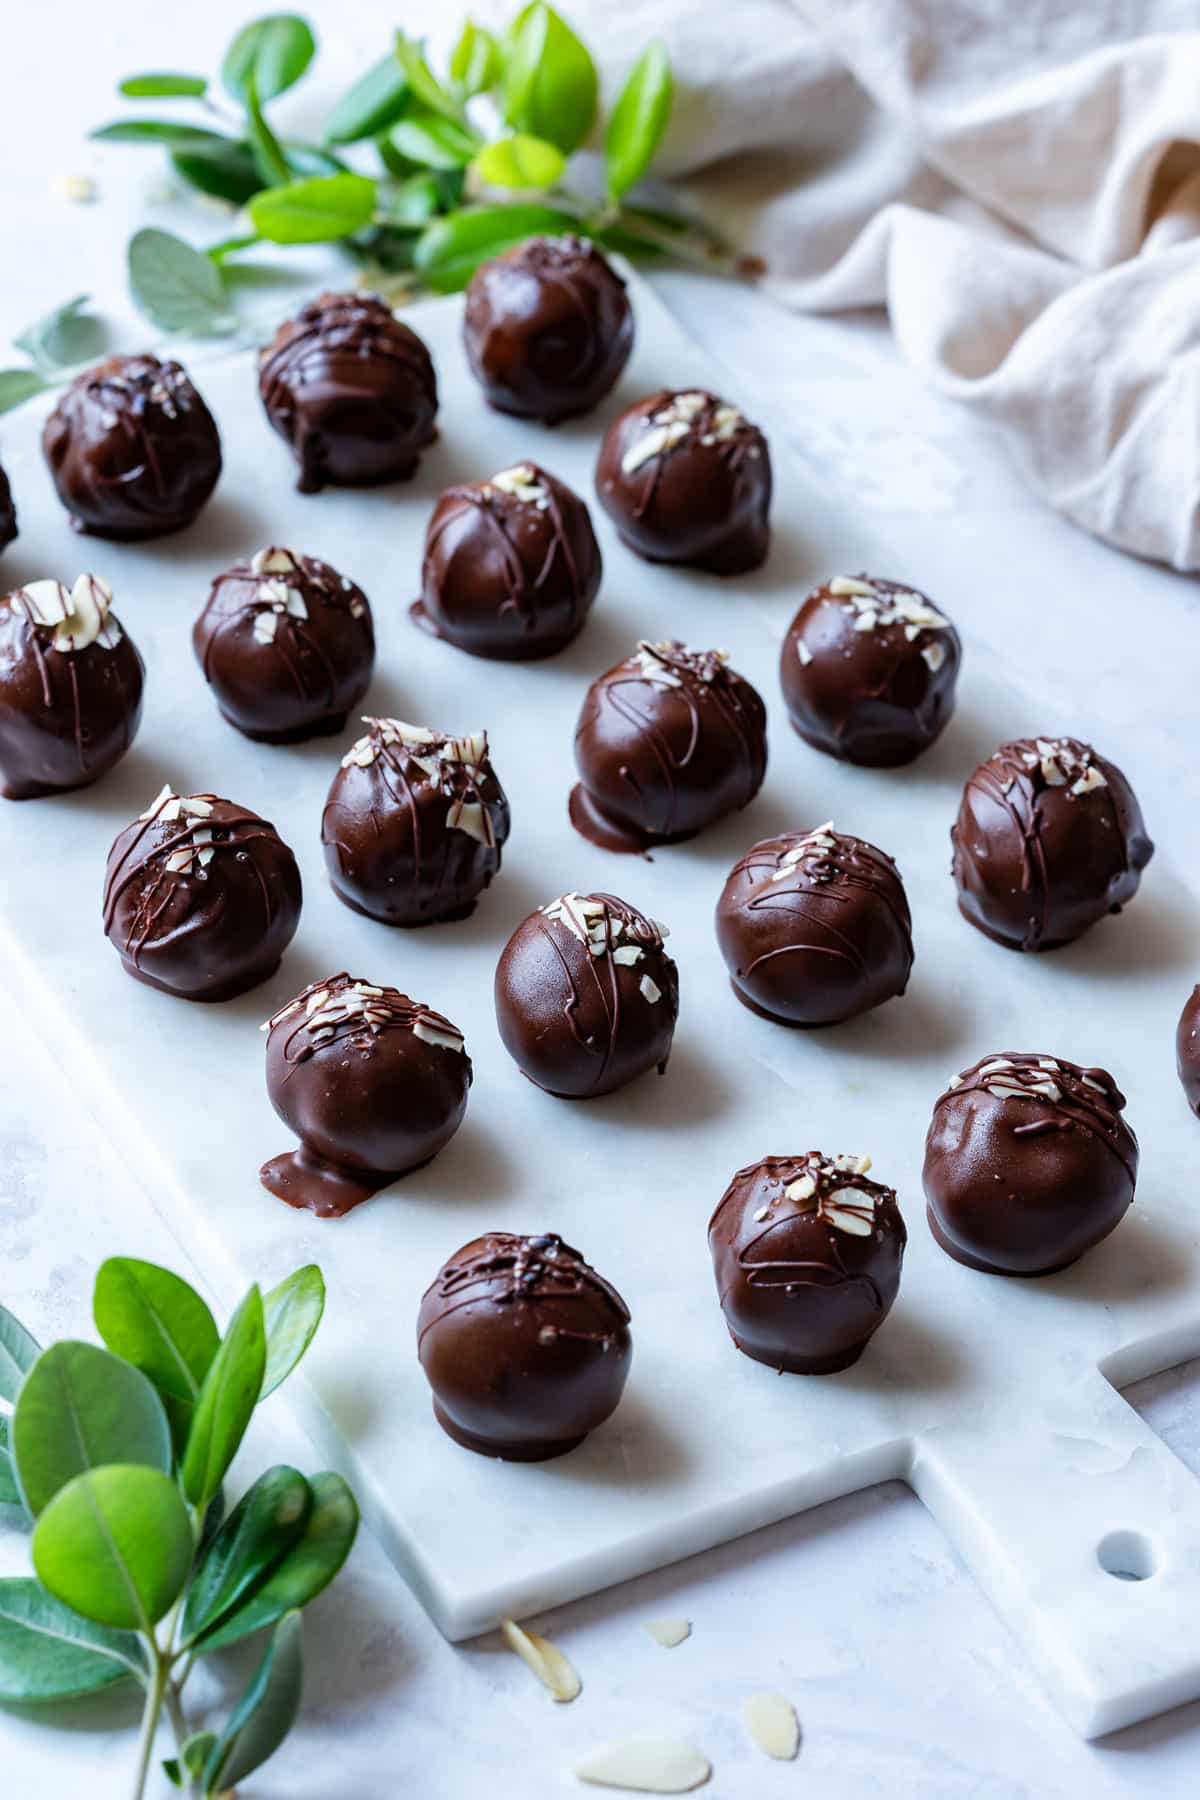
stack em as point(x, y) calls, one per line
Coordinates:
point(511, 566)
point(1049, 838)
point(668, 741)
point(525, 1346)
point(70, 687)
point(414, 824)
point(807, 1255)
point(8, 513)
point(1028, 1163)
point(815, 928)
point(372, 1083)
point(201, 897)
point(352, 390)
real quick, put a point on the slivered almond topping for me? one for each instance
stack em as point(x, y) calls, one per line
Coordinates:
point(773, 1726)
point(545, 1659)
point(668, 1632)
point(646, 1765)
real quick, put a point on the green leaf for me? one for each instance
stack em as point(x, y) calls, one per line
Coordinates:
point(16, 387)
point(316, 211)
point(63, 337)
point(436, 143)
point(79, 1408)
point(158, 131)
point(638, 120)
point(550, 83)
point(19, 1349)
point(10, 1493)
point(48, 1652)
point(224, 171)
point(412, 203)
point(451, 249)
point(265, 1713)
point(227, 1399)
point(231, 247)
point(258, 1533)
point(423, 83)
point(176, 287)
point(115, 1545)
point(375, 101)
point(162, 87)
point(519, 161)
point(291, 1313)
point(269, 159)
point(475, 60)
point(313, 159)
point(275, 50)
point(157, 1322)
point(191, 1759)
point(304, 1571)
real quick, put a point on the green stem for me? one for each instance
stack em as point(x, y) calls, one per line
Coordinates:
point(150, 1717)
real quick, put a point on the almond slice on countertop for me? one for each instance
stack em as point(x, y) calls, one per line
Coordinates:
point(668, 1632)
point(772, 1723)
point(545, 1659)
point(646, 1765)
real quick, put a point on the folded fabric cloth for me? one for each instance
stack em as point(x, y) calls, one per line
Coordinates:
point(1017, 181)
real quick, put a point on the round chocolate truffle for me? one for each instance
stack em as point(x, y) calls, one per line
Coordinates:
point(70, 687)
point(686, 479)
point(1187, 1050)
point(287, 645)
point(525, 1346)
point(372, 1083)
point(8, 513)
point(414, 824)
point(352, 390)
point(807, 1253)
point(868, 671)
point(815, 928)
point(548, 328)
point(1028, 1163)
point(669, 741)
point(511, 566)
point(1049, 838)
point(201, 897)
point(132, 448)
point(586, 996)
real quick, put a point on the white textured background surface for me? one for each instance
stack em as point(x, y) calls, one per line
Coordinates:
point(905, 1683)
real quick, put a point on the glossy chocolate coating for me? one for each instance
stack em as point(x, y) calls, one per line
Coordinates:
point(815, 928)
point(1187, 1049)
point(8, 513)
point(586, 996)
point(807, 1255)
point(686, 479)
point(70, 687)
point(511, 566)
point(372, 1083)
point(669, 741)
point(352, 390)
point(201, 897)
point(525, 1346)
point(414, 824)
point(868, 670)
point(132, 449)
point(1028, 1163)
point(1049, 838)
point(547, 328)
point(287, 646)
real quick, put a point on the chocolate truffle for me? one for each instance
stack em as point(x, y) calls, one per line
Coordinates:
point(413, 824)
point(511, 566)
point(1187, 1050)
point(1028, 1163)
point(372, 1083)
point(1049, 838)
point(807, 1255)
point(526, 1348)
point(548, 328)
point(352, 390)
point(669, 741)
point(287, 645)
point(8, 513)
point(201, 897)
point(70, 687)
point(686, 479)
point(815, 928)
point(586, 996)
point(868, 671)
point(132, 448)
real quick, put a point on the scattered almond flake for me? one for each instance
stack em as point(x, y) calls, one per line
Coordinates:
point(1049, 1090)
point(668, 1632)
point(843, 586)
point(995, 1066)
point(1098, 1085)
point(266, 624)
point(1047, 1062)
point(676, 421)
point(473, 818)
point(546, 1661)
point(803, 652)
point(764, 1212)
point(521, 483)
point(431, 1033)
point(79, 189)
point(1052, 775)
point(773, 1726)
point(627, 954)
point(1004, 1090)
point(876, 605)
point(650, 990)
point(866, 621)
point(849, 1210)
point(78, 617)
point(274, 560)
point(646, 1765)
point(852, 1165)
point(954, 1081)
point(803, 1188)
point(652, 443)
point(933, 656)
point(1089, 781)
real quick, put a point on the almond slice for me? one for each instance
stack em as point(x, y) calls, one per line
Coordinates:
point(668, 1632)
point(646, 1765)
point(545, 1659)
point(772, 1723)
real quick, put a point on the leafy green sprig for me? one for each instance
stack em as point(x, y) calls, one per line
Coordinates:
point(116, 1456)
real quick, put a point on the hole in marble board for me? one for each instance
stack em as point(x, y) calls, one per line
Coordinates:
point(1127, 1555)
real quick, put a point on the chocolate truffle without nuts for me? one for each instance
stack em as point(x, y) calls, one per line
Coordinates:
point(1028, 1163)
point(1187, 1050)
point(807, 1254)
point(525, 1346)
point(8, 513)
